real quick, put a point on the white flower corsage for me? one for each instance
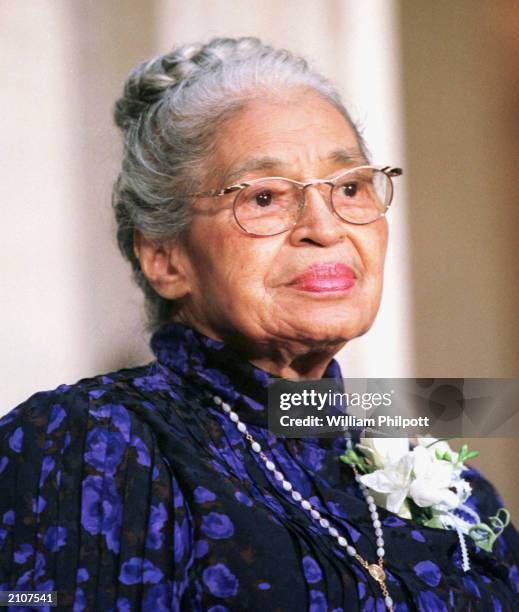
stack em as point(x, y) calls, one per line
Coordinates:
point(425, 484)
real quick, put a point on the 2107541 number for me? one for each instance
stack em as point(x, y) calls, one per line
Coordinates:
point(24, 598)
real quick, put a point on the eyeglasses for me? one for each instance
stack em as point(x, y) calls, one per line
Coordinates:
point(272, 205)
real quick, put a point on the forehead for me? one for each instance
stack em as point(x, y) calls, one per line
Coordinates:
point(301, 132)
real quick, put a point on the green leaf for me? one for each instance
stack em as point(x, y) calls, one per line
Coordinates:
point(362, 468)
point(346, 459)
point(419, 514)
point(351, 458)
point(472, 454)
point(433, 522)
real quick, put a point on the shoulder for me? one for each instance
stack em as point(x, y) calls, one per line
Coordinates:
point(105, 413)
point(92, 396)
point(82, 475)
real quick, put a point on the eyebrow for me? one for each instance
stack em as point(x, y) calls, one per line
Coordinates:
point(265, 162)
point(347, 156)
point(254, 164)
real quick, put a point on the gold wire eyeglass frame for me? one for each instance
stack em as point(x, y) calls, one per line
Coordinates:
point(389, 171)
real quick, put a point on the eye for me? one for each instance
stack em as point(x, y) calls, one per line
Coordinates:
point(263, 198)
point(350, 189)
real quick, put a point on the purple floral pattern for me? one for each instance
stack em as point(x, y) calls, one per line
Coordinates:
point(132, 491)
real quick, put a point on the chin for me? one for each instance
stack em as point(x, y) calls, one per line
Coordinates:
point(332, 329)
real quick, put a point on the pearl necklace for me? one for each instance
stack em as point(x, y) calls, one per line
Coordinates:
point(375, 570)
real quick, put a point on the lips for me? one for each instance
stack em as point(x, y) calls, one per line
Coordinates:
point(325, 277)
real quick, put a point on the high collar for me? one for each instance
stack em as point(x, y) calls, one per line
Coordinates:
point(220, 370)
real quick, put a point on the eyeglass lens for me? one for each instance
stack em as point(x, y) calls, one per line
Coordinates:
point(272, 206)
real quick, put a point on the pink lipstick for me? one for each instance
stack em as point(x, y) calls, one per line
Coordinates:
point(325, 277)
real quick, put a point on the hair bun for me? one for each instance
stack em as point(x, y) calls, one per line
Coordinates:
point(152, 79)
point(144, 86)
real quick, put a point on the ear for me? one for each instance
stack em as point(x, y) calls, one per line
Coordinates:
point(163, 264)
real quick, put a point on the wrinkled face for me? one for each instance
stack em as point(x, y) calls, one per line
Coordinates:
point(316, 285)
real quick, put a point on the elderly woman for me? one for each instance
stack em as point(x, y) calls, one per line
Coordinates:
point(255, 225)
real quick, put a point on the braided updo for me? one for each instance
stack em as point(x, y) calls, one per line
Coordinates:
point(170, 111)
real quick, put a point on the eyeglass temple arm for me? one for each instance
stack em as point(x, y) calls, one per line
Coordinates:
point(392, 171)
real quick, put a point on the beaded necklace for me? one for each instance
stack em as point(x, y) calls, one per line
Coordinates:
point(375, 570)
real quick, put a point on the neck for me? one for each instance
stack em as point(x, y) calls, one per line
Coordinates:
point(303, 367)
point(279, 357)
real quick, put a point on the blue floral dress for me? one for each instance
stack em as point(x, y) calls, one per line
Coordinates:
point(133, 491)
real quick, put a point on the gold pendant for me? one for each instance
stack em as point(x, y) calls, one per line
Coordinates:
point(377, 572)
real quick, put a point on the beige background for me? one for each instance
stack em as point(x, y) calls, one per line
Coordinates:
point(433, 83)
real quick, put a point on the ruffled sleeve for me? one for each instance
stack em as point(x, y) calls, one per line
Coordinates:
point(89, 506)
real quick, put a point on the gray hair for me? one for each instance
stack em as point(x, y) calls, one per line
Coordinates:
point(171, 108)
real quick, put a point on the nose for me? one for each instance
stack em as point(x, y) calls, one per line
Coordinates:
point(317, 222)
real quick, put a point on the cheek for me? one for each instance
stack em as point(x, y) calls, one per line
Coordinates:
point(374, 249)
point(229, 263)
